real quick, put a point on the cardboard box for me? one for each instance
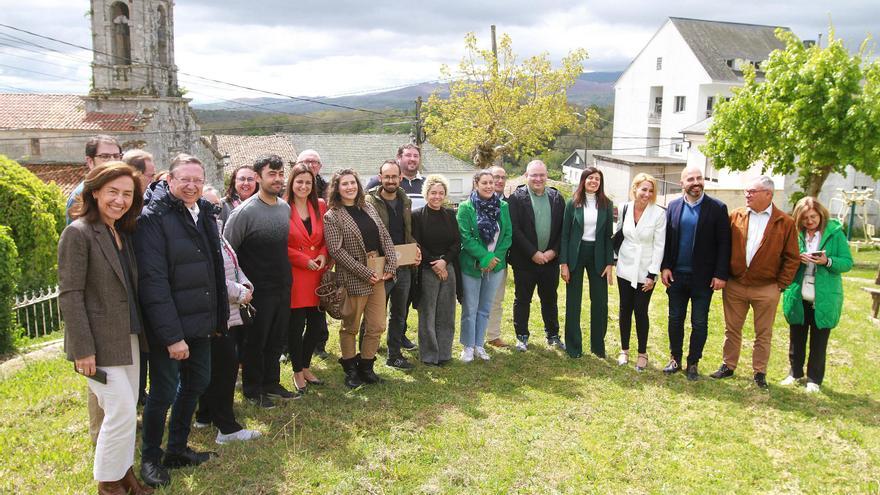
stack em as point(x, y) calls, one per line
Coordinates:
point(406, 254)
point(376, 264)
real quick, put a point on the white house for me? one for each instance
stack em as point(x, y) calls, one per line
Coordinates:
point(670, 87)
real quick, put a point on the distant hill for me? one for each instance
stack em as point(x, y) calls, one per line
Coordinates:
point(591, 88)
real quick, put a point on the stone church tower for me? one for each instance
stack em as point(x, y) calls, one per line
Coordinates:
point(133, 72)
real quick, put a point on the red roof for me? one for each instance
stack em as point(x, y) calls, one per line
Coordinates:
point(66, 175)
point(68, 112)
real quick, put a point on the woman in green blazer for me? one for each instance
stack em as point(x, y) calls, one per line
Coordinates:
point(586, 245)
point(813, 302)
point(486, 235)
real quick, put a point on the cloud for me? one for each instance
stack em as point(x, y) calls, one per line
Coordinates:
point(327, 48)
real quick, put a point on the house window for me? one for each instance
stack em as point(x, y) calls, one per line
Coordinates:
point(710, 102)
point(677, 148)
point(679, 104)
point(659, 63)
point(35, 147)
point(658, 105)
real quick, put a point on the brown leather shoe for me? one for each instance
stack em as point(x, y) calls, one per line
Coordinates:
point(498, 343)
point(111, 488)
point(134, 487)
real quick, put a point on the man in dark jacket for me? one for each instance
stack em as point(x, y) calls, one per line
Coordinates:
point(183, 296)
point(696, 263)
point(536, 214)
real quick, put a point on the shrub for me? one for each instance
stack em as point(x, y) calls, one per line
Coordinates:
point(34, 213)
point(9, 275)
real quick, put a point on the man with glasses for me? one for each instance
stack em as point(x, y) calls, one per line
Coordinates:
point(257, 231)
point(100, 149)
point(536, 215)
point(763, 261)
point(182, 290)
point(395, 209)
point(493, 330)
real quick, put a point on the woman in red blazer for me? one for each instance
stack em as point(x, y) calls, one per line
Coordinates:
point(308, 260)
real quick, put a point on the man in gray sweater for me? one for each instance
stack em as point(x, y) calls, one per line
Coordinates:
point(257, 230)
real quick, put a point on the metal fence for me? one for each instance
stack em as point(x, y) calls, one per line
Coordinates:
point(37, 312)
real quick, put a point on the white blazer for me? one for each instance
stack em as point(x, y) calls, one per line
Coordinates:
point(642, 250)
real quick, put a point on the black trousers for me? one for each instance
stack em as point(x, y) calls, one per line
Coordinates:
point(215, 405)
point(797, 347)
point(633, 300)
point(306, 325)
point(264, 340)
point(525, 280)
point(323, 335)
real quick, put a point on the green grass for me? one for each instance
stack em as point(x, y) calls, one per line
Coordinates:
point(537, 422)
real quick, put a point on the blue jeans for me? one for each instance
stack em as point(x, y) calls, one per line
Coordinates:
point(680, 292)
point(478, 294)
point(177, 385)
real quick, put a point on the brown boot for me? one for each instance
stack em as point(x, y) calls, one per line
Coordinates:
point(498, 342)
point(133, 486)
point(111, 488)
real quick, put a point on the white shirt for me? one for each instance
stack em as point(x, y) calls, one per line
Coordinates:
point(591, 216)
point(758, 221)
point(642, 250)
point(194, 211)
point(812, 245)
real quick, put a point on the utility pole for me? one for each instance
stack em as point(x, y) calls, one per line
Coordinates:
point(499, 160)
point(419, 131)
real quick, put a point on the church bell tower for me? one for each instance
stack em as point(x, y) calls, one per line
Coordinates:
point(133, 44)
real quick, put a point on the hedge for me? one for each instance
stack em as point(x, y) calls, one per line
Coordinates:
point(9, 275)
point(34, 213)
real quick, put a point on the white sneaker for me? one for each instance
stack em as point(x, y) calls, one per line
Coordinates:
point(238, 436)
point(789, 380)
point(812, 388)
point(521, 346)
point(481, 353)
point(467, 355)
point(200, 425)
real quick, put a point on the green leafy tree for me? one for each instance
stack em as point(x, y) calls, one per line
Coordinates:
point(817, 111)
point(34, 213)
point(499, 106)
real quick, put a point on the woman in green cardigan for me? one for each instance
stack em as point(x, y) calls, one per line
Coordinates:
point(486, 234)
point(586, 245)
point(813, 302)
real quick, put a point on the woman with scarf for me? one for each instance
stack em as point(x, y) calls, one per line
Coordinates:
point(486, 235)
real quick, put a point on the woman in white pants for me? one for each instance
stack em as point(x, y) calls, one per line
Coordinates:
point(97, 277)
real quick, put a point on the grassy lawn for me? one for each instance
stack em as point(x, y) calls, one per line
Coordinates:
point(537, 422)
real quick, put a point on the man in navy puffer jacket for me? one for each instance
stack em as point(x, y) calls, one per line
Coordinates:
point(183, 298)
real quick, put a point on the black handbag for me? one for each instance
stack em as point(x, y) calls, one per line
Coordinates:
point(617, 239)
point(247, 314)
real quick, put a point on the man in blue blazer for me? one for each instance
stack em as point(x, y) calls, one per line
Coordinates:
point(696, 263)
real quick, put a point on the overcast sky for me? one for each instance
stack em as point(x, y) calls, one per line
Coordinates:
point(328, 48)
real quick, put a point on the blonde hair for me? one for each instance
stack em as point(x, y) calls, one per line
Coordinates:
point(806, 204)
point(431, 181)
point(638, 179)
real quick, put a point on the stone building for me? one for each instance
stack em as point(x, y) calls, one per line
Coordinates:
point(134, 96)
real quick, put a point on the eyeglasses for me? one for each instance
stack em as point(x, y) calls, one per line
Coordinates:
point(310, 162)
point(109, 156)
point(189, 180)
point(752, 192)
point(245, 179)
point(499, 177)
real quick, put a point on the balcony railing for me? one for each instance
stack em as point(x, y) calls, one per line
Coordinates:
point(654, 118)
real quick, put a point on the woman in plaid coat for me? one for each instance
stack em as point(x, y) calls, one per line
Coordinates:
point(355, 235)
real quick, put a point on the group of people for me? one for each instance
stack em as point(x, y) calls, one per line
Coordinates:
point(204, 285)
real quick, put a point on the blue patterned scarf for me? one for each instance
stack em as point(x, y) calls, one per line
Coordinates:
point(488, 212)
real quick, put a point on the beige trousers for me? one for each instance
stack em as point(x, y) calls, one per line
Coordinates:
point(493, 331)
point(372, 309)
point(737, 299)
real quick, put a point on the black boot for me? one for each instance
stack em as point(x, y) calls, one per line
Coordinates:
point(365, 371)
point(349, 366)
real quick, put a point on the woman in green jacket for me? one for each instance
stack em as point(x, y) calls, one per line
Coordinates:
point(486, 234)
point(586, 245)
point(813, 302)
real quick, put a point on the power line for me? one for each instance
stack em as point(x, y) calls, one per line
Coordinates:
point(235, 85)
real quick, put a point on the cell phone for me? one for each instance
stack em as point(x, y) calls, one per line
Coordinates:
point(100, 375)
point(815, 253)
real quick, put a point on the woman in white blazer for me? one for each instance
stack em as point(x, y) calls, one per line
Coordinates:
point(638, 263)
